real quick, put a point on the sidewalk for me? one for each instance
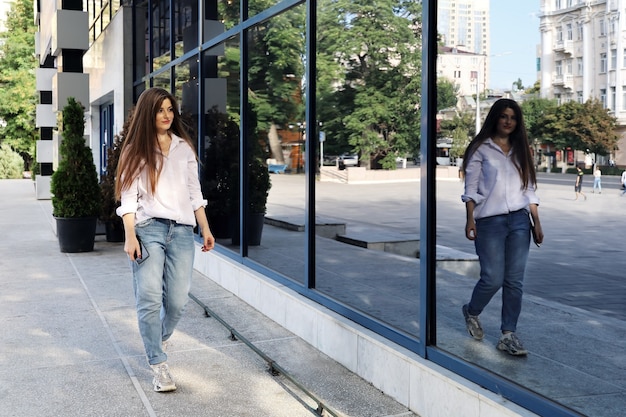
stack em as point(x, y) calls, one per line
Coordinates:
point(71, 345)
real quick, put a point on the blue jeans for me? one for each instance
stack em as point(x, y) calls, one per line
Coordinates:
point(162, 281)
point(597, 183)
point(502, 245)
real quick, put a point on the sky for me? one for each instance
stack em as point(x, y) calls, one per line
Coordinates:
point(514, 38)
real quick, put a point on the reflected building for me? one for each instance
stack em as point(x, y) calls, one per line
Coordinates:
point(583, 56)
point(253, 85)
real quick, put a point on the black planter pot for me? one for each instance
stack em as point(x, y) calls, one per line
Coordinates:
point(76, 234)
point(255, 229)
point(114, 231)
point(220, 226)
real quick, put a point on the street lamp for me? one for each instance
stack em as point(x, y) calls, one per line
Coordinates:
point(481, 59)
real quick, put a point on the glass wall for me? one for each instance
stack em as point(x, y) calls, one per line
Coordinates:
point(276, 142)
point(330, 197)
point(367, 107)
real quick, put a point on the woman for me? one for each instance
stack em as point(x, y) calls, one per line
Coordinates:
point(161, 202)
point(499, 193)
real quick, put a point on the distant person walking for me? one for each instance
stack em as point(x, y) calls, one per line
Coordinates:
point(500, 184)
point(161, 203)
point(578, 186)
point(597, 180)
point(623, 182)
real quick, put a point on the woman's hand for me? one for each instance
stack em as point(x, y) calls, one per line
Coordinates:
point(470, 223)
point(470, 229)
point(132, 247)
point(208, 241)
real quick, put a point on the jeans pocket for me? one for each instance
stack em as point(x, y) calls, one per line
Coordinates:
point(144, 223)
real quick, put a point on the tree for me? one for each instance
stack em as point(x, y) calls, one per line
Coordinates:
point(461, 129)
point(17, 80)
point(587, 126)
point(276, 71)
point(369, 62)
point(534, 111)
point(447, 93)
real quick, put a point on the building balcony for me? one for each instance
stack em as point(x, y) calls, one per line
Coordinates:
point(565, 47)
point(564, 81)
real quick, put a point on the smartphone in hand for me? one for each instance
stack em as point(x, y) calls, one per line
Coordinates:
point(144, 253)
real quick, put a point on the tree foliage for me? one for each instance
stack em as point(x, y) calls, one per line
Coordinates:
point(461, 129)
point(17, 78)
point(535, 110)
point(74, 185)
point(447, 94)
point(369, 64)
point(587, 127)
point(11, 163)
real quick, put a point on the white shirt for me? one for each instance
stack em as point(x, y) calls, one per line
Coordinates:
point(177, 194)
point(492, 181)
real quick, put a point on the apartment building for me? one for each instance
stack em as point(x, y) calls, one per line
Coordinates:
point(583, 56)
point(464, 26)
point(465, 69)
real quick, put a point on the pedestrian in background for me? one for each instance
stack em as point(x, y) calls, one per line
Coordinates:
point(578, 185)
point(623, 179)
point(499, 195)
point(161, 203)
point(597, 180)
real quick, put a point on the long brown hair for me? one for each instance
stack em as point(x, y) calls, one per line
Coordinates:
point(518, 138)
point(139, 149)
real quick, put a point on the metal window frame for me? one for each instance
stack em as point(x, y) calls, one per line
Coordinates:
point(426, 344)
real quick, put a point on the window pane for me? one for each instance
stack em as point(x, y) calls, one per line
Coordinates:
point(276, 136)
point(160, 34)
point(569, 304)
point(367, 199)
point(220, 143)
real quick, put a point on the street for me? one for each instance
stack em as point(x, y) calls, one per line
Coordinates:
point(582, 262)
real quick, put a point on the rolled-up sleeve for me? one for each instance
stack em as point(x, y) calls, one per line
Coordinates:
point(195, 191)
point(531, 195)
point(129, 199)
point(472, 179)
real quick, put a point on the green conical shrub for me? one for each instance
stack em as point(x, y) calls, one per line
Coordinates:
point(74, 185)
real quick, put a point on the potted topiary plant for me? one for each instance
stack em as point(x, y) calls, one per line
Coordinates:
point(221, 180)
point(259, 185)
point(76, 196)
point(222, 152)
point(114, 226)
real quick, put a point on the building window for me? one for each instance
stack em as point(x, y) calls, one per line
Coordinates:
point(624, 97)
point(568, 66)
point(559, 34)
point(603, 97)
point(579, 31)
point(579, 96)
point(603, 62)
point(602, 27)
point(613, 59)
point(558, 67)
point(570, 32)
point(613, 98)
point(557, 97)
point(557, 4)
point(579, 65)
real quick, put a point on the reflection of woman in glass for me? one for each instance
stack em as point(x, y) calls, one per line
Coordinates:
point(499, 193)
point(157, 183)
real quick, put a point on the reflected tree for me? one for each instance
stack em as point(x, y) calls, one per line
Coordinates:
point(369, 62)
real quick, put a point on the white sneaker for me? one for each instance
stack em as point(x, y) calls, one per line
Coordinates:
point(510, 343)
point(162, 380)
